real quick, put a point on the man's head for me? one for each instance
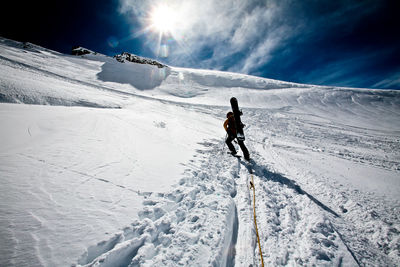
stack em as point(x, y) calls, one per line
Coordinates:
point(230, 113)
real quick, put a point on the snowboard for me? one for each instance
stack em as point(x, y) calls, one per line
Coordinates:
point(238, 122)
point(239, 127)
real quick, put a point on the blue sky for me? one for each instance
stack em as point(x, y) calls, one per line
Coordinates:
point(353, 43)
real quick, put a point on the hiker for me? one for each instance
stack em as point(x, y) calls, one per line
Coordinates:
point(230, 129)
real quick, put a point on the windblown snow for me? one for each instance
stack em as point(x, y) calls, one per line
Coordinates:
point(104, 163)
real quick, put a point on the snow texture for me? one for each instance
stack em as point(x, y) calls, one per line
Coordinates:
point(104, 163)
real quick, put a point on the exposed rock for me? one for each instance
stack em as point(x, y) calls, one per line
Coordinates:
point(136, 59)
point(79, 51)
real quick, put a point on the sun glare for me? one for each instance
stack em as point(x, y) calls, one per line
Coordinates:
point(163, 19)
point(164, 24)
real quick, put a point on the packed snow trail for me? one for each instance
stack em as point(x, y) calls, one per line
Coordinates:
point(195, 224)
point(208, 220)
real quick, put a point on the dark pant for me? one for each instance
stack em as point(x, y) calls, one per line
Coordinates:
point(228, 141)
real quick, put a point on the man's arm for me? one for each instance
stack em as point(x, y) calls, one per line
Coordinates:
point(226, 124)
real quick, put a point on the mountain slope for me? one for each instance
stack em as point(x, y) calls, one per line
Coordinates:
point(124, 164)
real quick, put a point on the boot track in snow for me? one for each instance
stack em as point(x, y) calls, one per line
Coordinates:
point(208, 220)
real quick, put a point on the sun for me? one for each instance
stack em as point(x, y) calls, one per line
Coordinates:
point(163, 19)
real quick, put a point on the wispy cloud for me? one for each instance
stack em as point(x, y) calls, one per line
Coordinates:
point(264, 37)
point(390, 82)
point(227, 27)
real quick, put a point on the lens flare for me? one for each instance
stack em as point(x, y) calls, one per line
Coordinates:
point(164, 50)
point(112, 42)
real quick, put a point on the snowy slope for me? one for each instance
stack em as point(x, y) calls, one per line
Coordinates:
point(124, 164)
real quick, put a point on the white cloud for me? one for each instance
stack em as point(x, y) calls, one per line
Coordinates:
point(225, 26)
point(251, 26)
point(246, 34)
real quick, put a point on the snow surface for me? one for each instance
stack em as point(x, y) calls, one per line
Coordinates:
point(121, 164)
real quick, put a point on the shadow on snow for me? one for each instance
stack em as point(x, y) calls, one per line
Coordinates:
point(263, 172)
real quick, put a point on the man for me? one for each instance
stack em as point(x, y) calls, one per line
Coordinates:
point(230, 128)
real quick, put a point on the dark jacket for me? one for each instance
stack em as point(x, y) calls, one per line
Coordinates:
point(230, 126)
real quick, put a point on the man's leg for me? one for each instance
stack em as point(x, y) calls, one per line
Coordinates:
point(228, 141)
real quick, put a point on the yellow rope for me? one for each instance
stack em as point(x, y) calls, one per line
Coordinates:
point(255, 219)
